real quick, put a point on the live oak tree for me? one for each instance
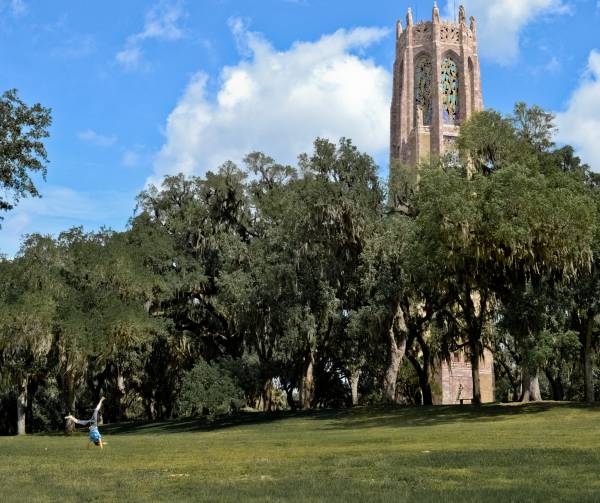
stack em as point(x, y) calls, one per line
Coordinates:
point(340, 195)
point(30, 292)
point(22, 152)
point(505, 217)
point(386, 287)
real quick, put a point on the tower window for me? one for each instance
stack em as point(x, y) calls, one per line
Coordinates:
point(450, 87)
point(423, 94)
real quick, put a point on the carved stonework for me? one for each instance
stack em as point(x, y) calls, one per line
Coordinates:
point(422, 33)
point(450, 142)
point(440, 86)
point(449, 33)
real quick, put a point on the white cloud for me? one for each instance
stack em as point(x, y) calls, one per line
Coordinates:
point(130, 57)
point(279, 102)
point(500, 23)
point(161, 23)
point(579, 124)
point(130, 159)
point(553, 65)
point(59, 209)
point(91, 136)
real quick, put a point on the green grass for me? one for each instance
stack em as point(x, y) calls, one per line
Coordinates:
point(542, 452)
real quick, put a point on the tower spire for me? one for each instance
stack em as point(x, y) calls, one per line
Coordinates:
point(462, 16)
point(436, 13)
point(409, 18)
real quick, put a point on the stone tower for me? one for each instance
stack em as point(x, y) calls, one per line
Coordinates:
point(437, 84)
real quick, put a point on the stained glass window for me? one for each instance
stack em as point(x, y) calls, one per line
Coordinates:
point(423, 94)
point(450, 91)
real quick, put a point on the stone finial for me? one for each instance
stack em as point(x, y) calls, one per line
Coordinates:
point(472, 26)
point(409, 19)
point(436, 13)
point(462, 16)
point(398, 29)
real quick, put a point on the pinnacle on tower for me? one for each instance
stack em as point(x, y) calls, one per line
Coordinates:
point(436, 13)
point(472, 26)
point(462, 16)
point(409, 18)
point(398, 29)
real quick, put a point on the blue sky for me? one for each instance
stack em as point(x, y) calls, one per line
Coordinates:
point(140, 89)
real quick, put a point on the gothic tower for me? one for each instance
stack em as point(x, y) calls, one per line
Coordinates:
point(437, 85)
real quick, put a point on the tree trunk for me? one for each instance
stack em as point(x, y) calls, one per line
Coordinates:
point(558, 392)
point(396, 349)
point(70, 400)
point(32, 387)
point(474, 354)
point(423, 373)
point(588, 369)
point(391, 375)
point(289, 395)
point(426, 390)
point(267, 395)
point(307, 386)
point(354, 378)
point(120, 396)
point(531, 386)
point(22, 406)
point(150, 409)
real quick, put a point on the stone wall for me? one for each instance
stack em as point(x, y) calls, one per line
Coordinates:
point(454, 381)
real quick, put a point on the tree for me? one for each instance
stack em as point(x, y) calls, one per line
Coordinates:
point(30, 291)
point(22, 151)
point(388, 294)
point(485, 230)
point(339, 195)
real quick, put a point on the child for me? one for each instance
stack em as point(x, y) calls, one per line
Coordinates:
point(94, 434)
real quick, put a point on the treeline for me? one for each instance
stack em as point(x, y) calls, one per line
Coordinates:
point(272, 286)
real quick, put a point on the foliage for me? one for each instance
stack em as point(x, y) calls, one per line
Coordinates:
point(207, 391)
point(22, 151)
point(276, 286)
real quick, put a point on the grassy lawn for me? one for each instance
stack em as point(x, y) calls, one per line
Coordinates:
point(543, 452)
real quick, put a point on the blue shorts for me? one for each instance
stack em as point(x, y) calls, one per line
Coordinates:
point(95, 435)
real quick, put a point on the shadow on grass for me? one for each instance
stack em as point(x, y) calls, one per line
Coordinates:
point(356, 418)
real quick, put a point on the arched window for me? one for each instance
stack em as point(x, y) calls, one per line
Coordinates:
point(450, 87)
point(423, 89)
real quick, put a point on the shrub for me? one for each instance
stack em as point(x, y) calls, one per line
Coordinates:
point(208, 390)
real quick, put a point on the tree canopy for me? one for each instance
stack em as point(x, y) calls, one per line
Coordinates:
point(277, 286)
